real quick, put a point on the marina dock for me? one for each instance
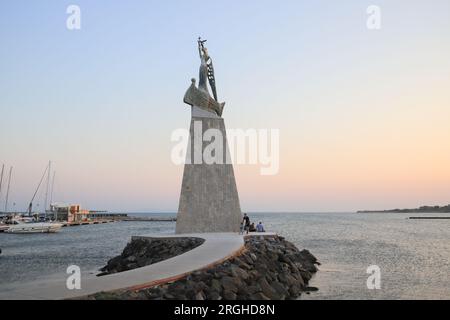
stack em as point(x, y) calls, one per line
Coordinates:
point(84, 223)
point(149, 219)
point(119, 219)
point(429, 218)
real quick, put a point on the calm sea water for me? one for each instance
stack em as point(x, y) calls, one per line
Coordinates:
point(413, 255)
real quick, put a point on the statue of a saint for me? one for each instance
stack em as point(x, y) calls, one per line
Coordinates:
point(200, 96)
point(206, 69)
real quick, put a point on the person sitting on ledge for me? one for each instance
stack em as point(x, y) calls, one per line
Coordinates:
point(252, 228)
point(260, 227)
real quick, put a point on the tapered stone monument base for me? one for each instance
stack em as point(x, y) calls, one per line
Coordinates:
point(209, 200)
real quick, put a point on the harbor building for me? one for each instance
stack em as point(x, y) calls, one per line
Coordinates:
point(68, 212)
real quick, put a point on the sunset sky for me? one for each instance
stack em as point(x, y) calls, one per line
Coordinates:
point(364, 115)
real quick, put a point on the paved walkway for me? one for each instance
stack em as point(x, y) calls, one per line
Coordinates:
point(216, 248)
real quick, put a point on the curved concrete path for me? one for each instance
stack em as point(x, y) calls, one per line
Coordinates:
point(216, 248)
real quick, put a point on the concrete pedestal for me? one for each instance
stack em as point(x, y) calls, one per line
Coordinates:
point(209, 200)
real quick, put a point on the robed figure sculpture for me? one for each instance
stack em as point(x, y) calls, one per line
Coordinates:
point(200, 97)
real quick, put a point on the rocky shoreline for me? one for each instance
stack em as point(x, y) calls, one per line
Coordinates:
point(270, 268)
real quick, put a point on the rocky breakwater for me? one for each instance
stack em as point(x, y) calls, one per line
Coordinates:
point(143, 252)
point(270, 268)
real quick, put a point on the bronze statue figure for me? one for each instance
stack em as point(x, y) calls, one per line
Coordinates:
point(200, 96)
point(206, 62)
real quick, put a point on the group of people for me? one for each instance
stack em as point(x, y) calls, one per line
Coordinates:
point(247, 226)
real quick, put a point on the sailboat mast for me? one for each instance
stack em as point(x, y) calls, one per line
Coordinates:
point(7, 190)
point(48, 186)
point(51, 191)
point(1, 182)
point(51, 195)
point(30, 206)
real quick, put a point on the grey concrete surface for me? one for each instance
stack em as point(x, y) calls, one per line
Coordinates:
point(209, 200)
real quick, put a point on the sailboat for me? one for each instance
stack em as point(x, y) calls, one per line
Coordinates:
point(3, 226)
point(19, 226)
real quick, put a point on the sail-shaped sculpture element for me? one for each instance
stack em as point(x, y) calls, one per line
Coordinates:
point(200, 96)
point(211, 78)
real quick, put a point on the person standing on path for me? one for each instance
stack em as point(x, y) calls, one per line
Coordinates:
point(246, 222)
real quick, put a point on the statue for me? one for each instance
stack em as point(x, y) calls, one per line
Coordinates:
point(209, 200)
point(206, 69)
point(200, 97)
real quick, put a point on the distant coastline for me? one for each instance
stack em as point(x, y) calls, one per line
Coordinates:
point(423, 209)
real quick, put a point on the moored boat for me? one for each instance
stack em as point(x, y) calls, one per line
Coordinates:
point(3, 227)
point(39, 227)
